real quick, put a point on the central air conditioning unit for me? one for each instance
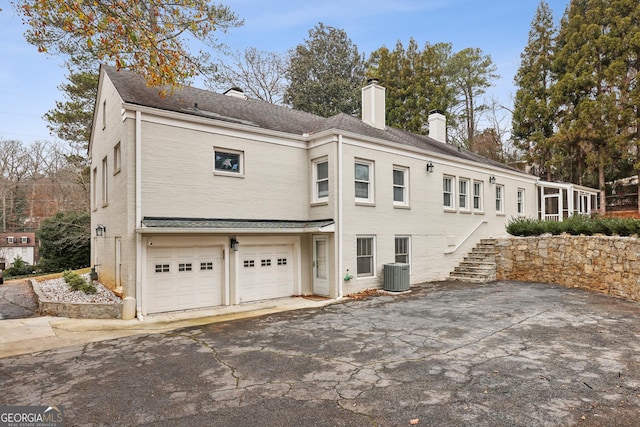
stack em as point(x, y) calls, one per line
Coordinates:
point(396, 277)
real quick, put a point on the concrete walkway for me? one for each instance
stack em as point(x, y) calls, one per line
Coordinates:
point(39, 333)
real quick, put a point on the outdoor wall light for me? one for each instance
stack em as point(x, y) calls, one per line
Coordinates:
point(430, 166)
point(234, 244)
point(100, 230)
point(492, 179)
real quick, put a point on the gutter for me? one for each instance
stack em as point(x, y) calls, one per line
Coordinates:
point(138, 172)
point(339, 221)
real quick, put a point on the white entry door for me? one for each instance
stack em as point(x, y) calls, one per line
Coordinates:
point(321, 265)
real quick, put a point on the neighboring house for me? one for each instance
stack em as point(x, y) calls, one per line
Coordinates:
point(202, 199)
point(16, 245)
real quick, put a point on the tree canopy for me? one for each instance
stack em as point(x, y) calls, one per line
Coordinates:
point(259, 74)
point(149, 37)
point(415, 82)
point(325, 74)
point(65, 241)
point(533, 115)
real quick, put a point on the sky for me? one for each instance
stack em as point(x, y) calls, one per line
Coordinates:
point(29, 80)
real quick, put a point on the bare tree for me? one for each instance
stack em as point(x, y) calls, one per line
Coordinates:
point(12, 171)
point(39, 180)
point(260, 74)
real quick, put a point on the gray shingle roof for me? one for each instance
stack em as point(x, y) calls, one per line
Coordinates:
point(249, 224)
point(199, 102)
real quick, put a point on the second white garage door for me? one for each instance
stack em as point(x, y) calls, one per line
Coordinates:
point(265, 272)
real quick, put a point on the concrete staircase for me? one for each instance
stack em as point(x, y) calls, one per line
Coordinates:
point(479, 265)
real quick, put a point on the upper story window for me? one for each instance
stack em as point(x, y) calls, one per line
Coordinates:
point(520, 201)
point(463, 194)
point(447, 192)
point(105, 182)
point(228, 162)
point(499, 198)
point(117, 158)
point(364, 181)
point(94, 188)
point(321, 180)
point(400, 186)
point(11, 239)
point(24, 239)
point(477, 196)
point(104, 114)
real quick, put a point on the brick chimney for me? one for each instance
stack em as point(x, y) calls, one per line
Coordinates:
point(373, 104)
point(438, 126)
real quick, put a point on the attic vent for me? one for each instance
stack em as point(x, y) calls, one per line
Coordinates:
point(236, 92)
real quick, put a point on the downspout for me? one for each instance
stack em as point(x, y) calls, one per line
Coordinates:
point(340, 210)
point(138, 143)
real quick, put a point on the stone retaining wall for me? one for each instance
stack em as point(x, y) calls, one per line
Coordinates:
point(604, 264)
point(76, 310)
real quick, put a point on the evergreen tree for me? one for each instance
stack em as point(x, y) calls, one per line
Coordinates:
point(533, 115)
point(65, 241)
point(592, 93)
point(71, 120)
point(415, 83)
point(325, 74)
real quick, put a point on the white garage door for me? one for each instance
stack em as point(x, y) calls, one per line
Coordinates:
point(183, 278)
point(265, 272)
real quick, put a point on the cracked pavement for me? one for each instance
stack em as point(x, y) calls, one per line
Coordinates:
point(448, 353)
point(17, 300)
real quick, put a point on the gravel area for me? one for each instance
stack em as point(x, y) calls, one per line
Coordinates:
point(58, 290)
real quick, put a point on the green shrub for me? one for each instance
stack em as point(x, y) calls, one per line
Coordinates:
point(78, 283)
point(19, 267)
point(575, 225)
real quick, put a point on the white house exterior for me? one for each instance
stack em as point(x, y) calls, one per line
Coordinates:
point(313, 205)
point(17, 245)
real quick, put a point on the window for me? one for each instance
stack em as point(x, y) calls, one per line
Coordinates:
point(499, 198)
point(321, 179)
point(447, 191)
point(206, 266)
point(105, 182)
point(162, 268)
point(400, 186)
point(249, 263)
point(24, 239)
point(11, 239)
point(364, 181)
point(520, 201)
point(477, 196)
point(117, 158)
point(104, 114)
point(463, 194)
point(228, 162)
point(265, 263)
point(94, 188)
point(185, 267)
point(282, 261)
point(402, 249)
point(365, 256)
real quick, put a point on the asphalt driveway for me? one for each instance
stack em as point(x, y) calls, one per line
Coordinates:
point(446, 354)
point(17, 300)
